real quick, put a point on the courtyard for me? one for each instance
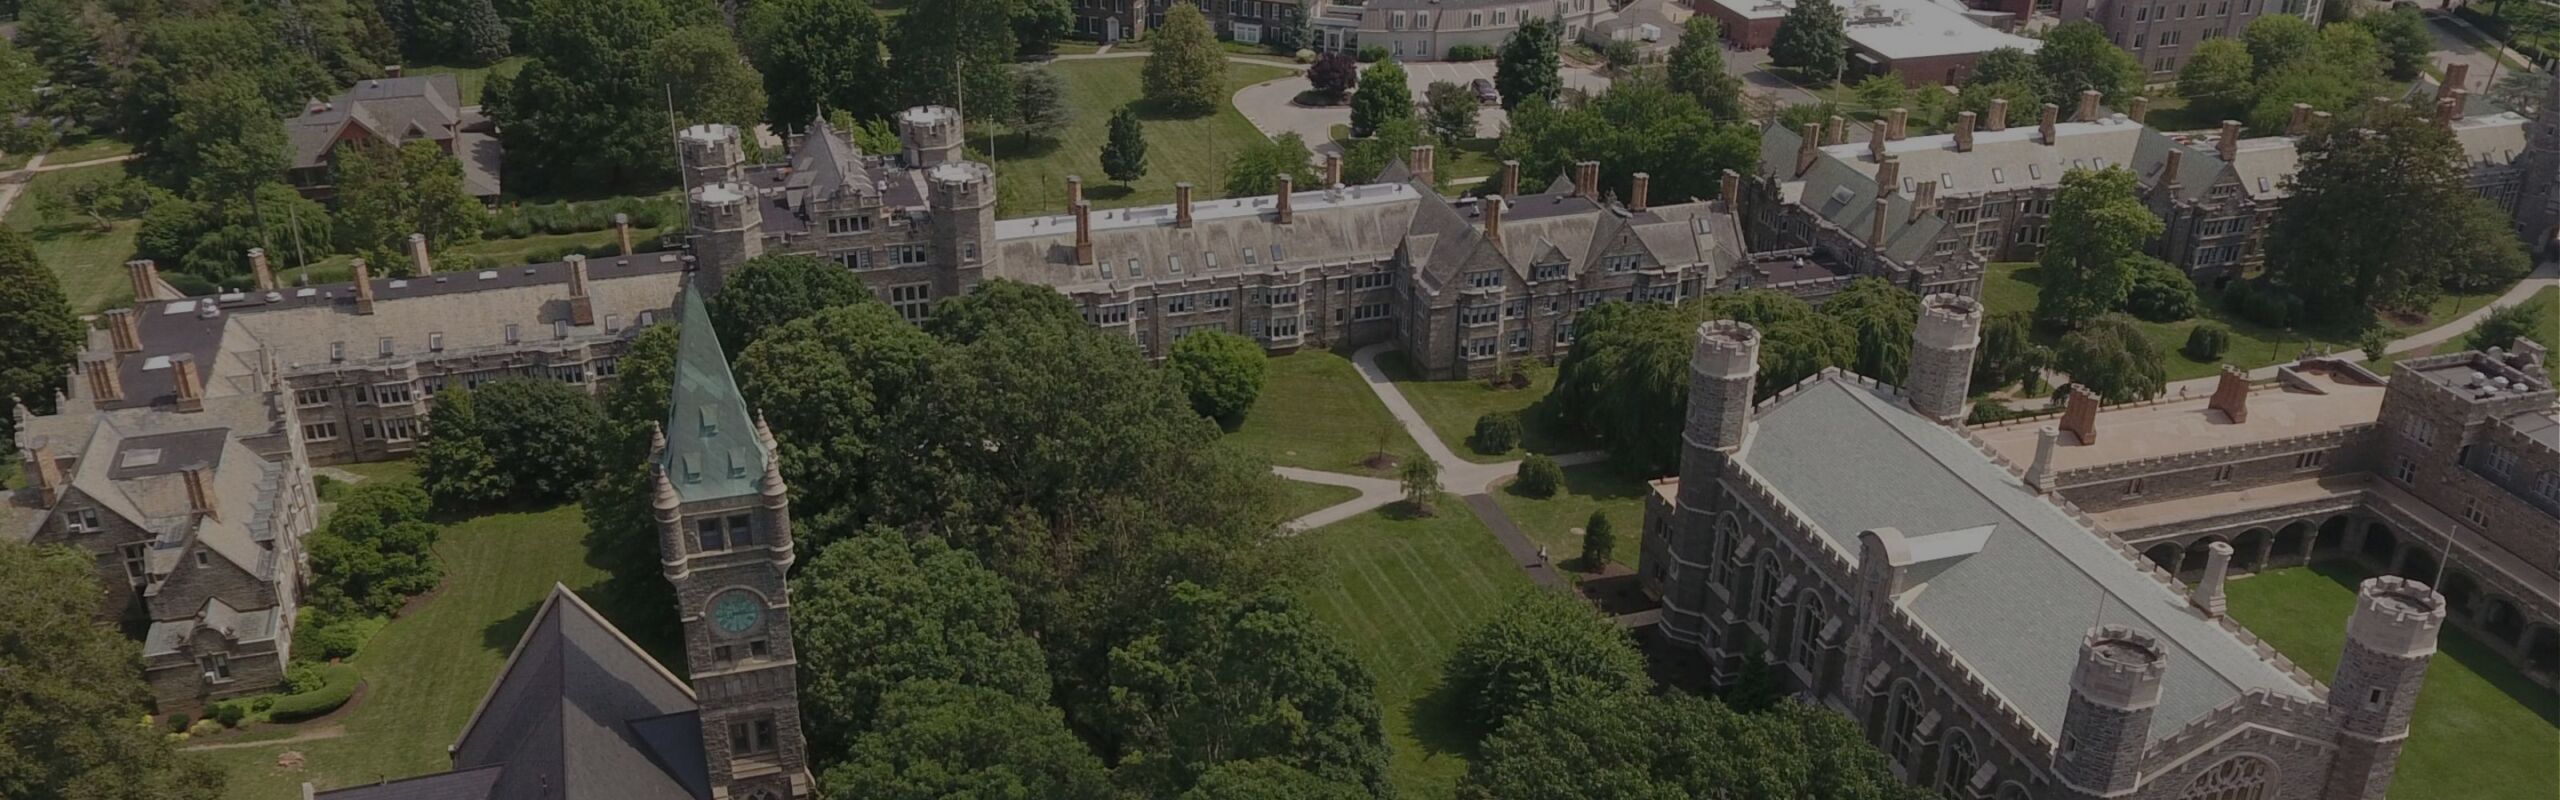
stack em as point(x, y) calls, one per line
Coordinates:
point(1194, 149)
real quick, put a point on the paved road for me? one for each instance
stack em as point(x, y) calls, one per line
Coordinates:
point(2452, 47)
point(1270, 105)
point(2547, 275)
point(1772, 91)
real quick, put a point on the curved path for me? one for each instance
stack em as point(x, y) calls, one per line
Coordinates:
point(2544, 276)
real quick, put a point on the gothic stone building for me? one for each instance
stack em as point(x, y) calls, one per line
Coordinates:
point(580, 711)
point(1988, 635)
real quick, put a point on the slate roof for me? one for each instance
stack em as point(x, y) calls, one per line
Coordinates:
point(395, 110)
point(578, 713)
point(239, 626)
point(1851, 457)
point(712, 451)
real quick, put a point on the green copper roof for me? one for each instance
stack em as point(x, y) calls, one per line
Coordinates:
point(711, 441)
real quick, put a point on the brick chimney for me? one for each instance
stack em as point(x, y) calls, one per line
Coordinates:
point(1084, 232)
point(2457, 75)
point(2228, 145)
point(46, 473)
point(1510, 177)
point(582, 307)
point(1332, 170)
point(1875, 223)
point(200, 496)
point(2208, 596)
point(1586, 177)
point(124, 330)
point(364, 287)
point(1924, 198)
point(2044, 123)
point(622, 232)
point(1896, 121)
point(2080, 414)
point(1998, 120)
point(1182, 204)
point(2231, 394)
point(1284, 189)
point(1888, 176)
point(1876, 135)
point(420, 263)
point(1964, 131)
point(190, 385)
point(1075, 190)
point(2169, 170)
point(1644, 185)
point(2449, 109)
point(1418, 162)
point(146, 279)
point(1493, 219)
point(2139, 109)
point(260, 271)
point(105, 384)
point(2299, 122)
point(1809, 144)
point(1732, 191)
point(1837, 132)
point(2088, 106)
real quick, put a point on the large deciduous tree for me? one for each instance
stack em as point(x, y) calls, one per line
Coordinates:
point(1542, 648)
point(2099, 224)
point(1256, 169)
point(1270, 779)
point(876, 610)
point(1451, 111)
point(62, 41)
point(1883, 315)
point(833, 386)
point(38, 336)
point(2405, 43)
point(954, 53)
point(2009, 354)
point(586, 113)
point(1696, 68)
point(2220, 77)
point(224, 141)
point(1635, 126)
point(774, 289)
point(1039, 24)
point(1678, 745)
point(1813, 40)
point(935, 740)
point(1626, 379)
point(1185, 74)
point(1530, 64)
point(707, 78)
point(539, 437)
point(2276, 40)
point(386, 193)
point(1384, 97)
point(1333, 75)
point(2381, 215)
point(817, 55)
point(2112, 357)
point(71, 693)
point(2077, 56)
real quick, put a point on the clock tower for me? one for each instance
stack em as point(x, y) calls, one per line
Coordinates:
point(724, 540)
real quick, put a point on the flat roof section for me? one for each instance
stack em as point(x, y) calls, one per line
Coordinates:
point(1897, 29)
point(2183, 425)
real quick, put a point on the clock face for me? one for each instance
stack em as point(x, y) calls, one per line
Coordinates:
point(737, 612)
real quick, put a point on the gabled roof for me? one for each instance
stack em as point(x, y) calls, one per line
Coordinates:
point(828, 165)
point(712, 451)
point(389, 108)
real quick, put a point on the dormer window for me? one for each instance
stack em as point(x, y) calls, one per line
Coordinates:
point(337, 351)
point(710, 425)
point(435, 341)
point(513, 335)
point(81, 520)
point(737, 462)
point(559, 329)
point(383, 346)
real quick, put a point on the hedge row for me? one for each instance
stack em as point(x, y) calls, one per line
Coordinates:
point(338, 682)
point(531, 219)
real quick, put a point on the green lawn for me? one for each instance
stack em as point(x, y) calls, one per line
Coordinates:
point(2170, 112)
point(88, 262)
point(1453, 406)
point(470, 79)
point(426, 672)
point(2012, 286)
point(87, 149)
point(1316, 413)
point(1401, 593)
point(1299, 498)
point(1192, 149)
point(1601, 486)
point(2482, 731)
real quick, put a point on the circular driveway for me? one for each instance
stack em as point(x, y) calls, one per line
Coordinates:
point(1268, 105)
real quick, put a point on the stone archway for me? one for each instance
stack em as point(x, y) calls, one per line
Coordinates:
point(2333, 534)
point(2379, 543)
point(2248, 550)
point(2197, 554)
point(2461, 594)
point(2542, 648)
point(2165, 554)
point(2417, 563)
point(2502, 621)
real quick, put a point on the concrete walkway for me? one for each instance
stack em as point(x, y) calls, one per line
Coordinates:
point(2547, 275)
point(15, 183)
point(1374, 493)
point(1473, 482)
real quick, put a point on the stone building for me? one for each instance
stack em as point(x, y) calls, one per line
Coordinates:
point(1247, 21)
point(1424, 30)
point(391, 111)
point(580, 711)
point(2162, 36)
point(1926, 42)
point(1853, 542)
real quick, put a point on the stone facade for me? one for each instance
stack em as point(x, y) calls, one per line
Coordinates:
point(2163, 36)
point(1247, 21)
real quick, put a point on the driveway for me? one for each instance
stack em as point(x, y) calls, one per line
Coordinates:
point(1271, 107)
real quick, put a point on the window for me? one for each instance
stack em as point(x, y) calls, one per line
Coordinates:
point(710, 536)
point(2405, 471)
point(310, 397)
point(134, 555)
point(1902, 725)
point(849, 224)
point(337, 351)
point(2239, 778)
point(1248, 255)
point(1480, 347)
point(1277, 254)
point(1621, 263)
point(1280, 297)
point(2133, 488)
point(751, 737)
point(569, 373)
point(858, 259)
point(1368, 311)
point(1221, 299)
point(759, 649)
point(1173, 265)
point(203, 558)
point(1114, 314)
point(906, 255)
point(559, 329)
point(2310, 460)
point(401, 429)
point(513, 335)
point(217, 668)
point(2420, 431)
point(435, 339)
point(1134, 269)
point(2473, 513)
point(320, 431)
point(1966, 215)
point(742, 530)
point(1374, 280)
point(1764, 605)
point(1283, 327)
point(1808, 625)
point(1961, 762)
point(383, 347)
point(1944, 247)
point(1519, 340)
point(913, 301)
point(391, 394)
point(2548, 486)
point(81, 520)
point(1178, 304)
point(2502, 461)
point(1484, 314)
point(1547, 272)
point(1564, 332)
point(1484, 279)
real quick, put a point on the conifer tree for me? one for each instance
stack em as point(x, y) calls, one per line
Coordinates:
point(38, 336)
point(1124, 157)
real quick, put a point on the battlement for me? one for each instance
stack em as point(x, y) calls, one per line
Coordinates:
point(1726, 348)
point(1951, 672)
point(2305, 718)
point(2211, 456)
point(2120, 667)
point(2396, 616)
point(960, 184)
point(1948, 321)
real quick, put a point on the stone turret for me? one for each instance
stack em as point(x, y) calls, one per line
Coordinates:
point(727, 229)
point(1942, 346)
point(2114, 690)
point(1721, 372)
point(711, 154)
point(2389, 639)
point(930, 135)
point(962, 195)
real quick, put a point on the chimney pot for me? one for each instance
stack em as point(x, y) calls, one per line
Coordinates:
point(46, 473)
point(1837, 132)
point(1286, 187)
point(1999, 118)
point(1332, 169)
point(2169, 169)
point(105, 384)
point(189, 385)
point(1418, 162)
point(124, 330)
point(2208, 595)
point(1643, 186)
point(2457, 75)
point(1075, 190)
point(1587, 178)
point(622, 232)
point(2088, 106)
point(2140, 110)
point(421, 265)
point(1875, 223)
point(1924, 198)
point(146, 279)
point(1084, 232)
point(2040, 473)
point(2228, 145)
point(2449, 110)
point(2045, 122)
point(2231, 394)
point(1182, 204)
point(1964, 132)
point(363, 286)
point(2080, 414)
point(2300, 121)
point(582, 307)
point(260, 270)
point(200, 496)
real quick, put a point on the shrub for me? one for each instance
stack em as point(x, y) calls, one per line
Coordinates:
point(332, 640)
point(1495, 434)
point(2207, 343)
point(1304, 56)
point(1372, 54)
point(1622, 54)
point(204, 727)
point(177, 723)
point(2504, 325)
point(2376, 343)
point(1986, 411)
point(302, 678)
point(2264, 304)
point(263, 703)
point(327, 488)
point(229, 715)
point(2161, 293)
point(1470, 52)
point(337, 683)
point(1539, 477)
point(1599, 541)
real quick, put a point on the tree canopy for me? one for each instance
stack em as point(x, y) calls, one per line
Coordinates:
point(1124, 154)
point(1638, 125)
point(1696, 68)
point(534, 441)
point(1219, 371)
point(1813, 40)
point(1678, 746)
point(586, 112)
point(1256, 168)
point(2381, 215)
point(386, 193)
point(935, 740)
point(943, 51)
point(2077, 56)
point(1542, 648)
point(1384, 97)
point(1185, 72)
point(774, 289)
point(2220, 77)
point(1531, 63)
point(875, 610)
point(707, 78)
point(2098, 225)
point(38, 336)
point(817, 55)
point(2111, 356)
point(1626, 380)
point(1451, 111)
point(71, 692)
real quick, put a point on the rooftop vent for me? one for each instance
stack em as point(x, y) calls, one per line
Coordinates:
point(141, 457)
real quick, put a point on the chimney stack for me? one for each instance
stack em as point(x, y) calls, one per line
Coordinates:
point(47, 474)
point(1964, 131)
point(182, 373)
point(1586, 178)
point(2457, 75)
point(363, 286)
point(2217, 569)
point(1732, 190)
point(105, 385)
point(1644, 184)
point(2088, 106)
point(1924, 198)
point(582, 308)
point(622, 232)
point(1075, 190)
point(2228, 145)
point(260, 271)
point(1084, 230)
point(1493, 219)
point(124, 330)
point(1837, 131)
point(2169, 169)
point(1182, 204)
point(1418, 161)
point(1332, 170)
point(2040, 473)
point(421, 265)
point(2449, 109)
point(2231, 394)
point(2299, 122)
point(200, 498)
point(146, 279)
point(1875, 143)
point(1999, 118)
point(1895, 121)
point(2045, 121)
point(2141, 109)
point(2080, 414)
point(1875, 223)
point(1510, 177)
point(1888, 176)
point(1809, 144)
point(1285, 188)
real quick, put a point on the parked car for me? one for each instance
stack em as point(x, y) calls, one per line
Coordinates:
point(1484, 92)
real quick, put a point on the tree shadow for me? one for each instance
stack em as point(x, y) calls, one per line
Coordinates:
point(1151, 110)
point(1024, 145)
point(1441, 723)
point(1108, 191)
point(501, 635)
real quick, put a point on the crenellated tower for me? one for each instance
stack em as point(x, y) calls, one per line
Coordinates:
point(711, 153)
point(726, 225)
point(1942, 345)
point(2389, 639)
point(2114, 690)
point(931, 135)
point(962, 196)
point(724, 538)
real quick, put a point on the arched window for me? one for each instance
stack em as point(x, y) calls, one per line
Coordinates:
point(1764, 609)
point(1957, 767)
point(2011, 791)
point(1727, 530)
point(1809, 619)
point(2236, 778)
point(1902, 725)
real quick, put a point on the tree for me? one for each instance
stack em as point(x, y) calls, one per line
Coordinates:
point(1635, 126)
point(774, 289)
point(1420, 480)
point(375, 552)
point(832, 386)
point(1216, 677)
point(2098, 223)
point(710, 80)
point(1621, 55)
point(586, 112)
point(1384, 97)
point(2220, 77)
point(2375, 343)
point(1334, 75)
point(2403, 36)
point(1040, 105)
point(817, 55)
point(69, 50)
point(1185, 73)
point(935, 740)
point(73, 693)
point(19, 77)
point(1269, 779)
point(2276, 40)
point(206, 239)
point(1882, 92)
point(457, 31)
point(946, 50)
point(1813, 40)
point(1599, 543)
point(2208, 342)
point(1530, 64)
point(2520, 91)
point(2322, 85)
point(539, 437)
point(622, 529)
point(1221, 372)
point(1543, 647)
point(1537, 477)
point(386, 193)
point(875, 610)
point(1255, 169)
point(2078, 56)
point(2506, 324)
point(1452, 112)
point(1124, 155)
point(1882, 315)
point(1364, 159)
point(2111, 356)
point(38, 336)
point(1496, 433)
point(1696, 68)
point(2159, 292)
point(2010, 65)
point(2009, 354)
point(1678, 745)
point(1039, 24)
point(1626, 380)
point(224, 141)
point(2380, 215)
point(455, 461)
